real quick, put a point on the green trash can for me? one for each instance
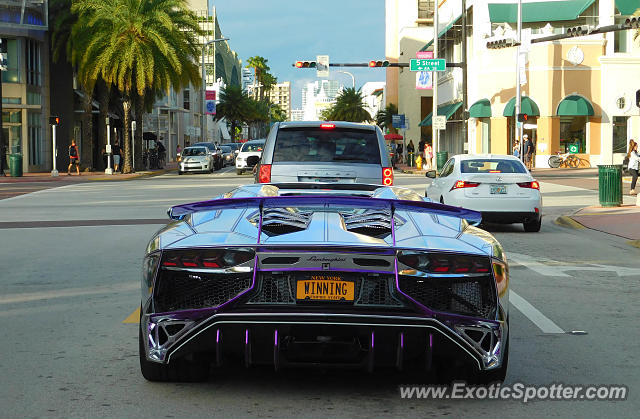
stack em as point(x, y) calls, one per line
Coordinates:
point(610, 185)
point(411, 161)
point(15, 165)
point(441, 159)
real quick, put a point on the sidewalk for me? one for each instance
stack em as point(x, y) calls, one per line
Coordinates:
point(85, 176)
point(621, 221)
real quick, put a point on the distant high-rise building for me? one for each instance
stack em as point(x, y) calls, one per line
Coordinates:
point(247, 78)
point(297, 114)
point(280, 95)
point(317, 96)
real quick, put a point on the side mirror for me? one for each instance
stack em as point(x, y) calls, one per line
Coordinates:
point(431, 174)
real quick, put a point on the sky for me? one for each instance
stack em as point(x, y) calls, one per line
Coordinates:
point(287, 31)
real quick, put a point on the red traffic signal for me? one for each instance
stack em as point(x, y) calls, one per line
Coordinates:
point(305, 64)
point(523, 117)
point(379, 63)
point(54, 120)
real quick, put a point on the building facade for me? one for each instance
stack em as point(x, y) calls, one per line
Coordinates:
point(280, 95)
point(578, 92)
point(25, 95)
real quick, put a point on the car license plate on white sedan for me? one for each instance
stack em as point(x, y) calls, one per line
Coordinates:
point(498, 189)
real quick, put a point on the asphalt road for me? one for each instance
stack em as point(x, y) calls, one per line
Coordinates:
point(67, 286)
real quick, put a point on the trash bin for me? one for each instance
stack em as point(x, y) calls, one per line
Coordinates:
point(610, 185)
point(15, 165)
point(441, 159)
point(411, 160)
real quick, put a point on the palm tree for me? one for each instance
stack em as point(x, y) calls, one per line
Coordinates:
point(260, 67)
point(349, 106)
point(233, 106)
point(384, 117)
point(137, 46)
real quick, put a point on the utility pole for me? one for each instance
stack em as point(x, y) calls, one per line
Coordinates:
point(204, 85)
point(3, 47)
point(465, 134)
point(435, 133)
point(519, 127)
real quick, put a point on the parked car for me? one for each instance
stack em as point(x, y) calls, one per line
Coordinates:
point(196, 159)
point(228, 156)
point(249, 155)
point(215, 152)
point(327, 152)
point(306, 279)
point(500, 187)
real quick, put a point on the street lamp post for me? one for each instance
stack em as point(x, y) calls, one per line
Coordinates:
point(353, 79)
point(204, 84)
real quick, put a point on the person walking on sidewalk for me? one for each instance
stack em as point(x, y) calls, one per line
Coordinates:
point(117, 155)
point(74, 158)
point(428, 156)
point(634, 162)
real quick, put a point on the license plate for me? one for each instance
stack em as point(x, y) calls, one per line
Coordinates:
point(325, 288)
point(498, 189)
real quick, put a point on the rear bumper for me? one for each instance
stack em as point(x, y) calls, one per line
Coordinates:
point(313, 339)
point(509, 217)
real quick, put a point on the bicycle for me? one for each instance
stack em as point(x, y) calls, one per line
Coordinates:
point(567, 160)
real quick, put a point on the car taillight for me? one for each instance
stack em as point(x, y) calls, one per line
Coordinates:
point(387, 176)
point(217, 258)
point(264, 176)
point(530, 185)
point(464, 184)
point(442, 263)
point(327, 126)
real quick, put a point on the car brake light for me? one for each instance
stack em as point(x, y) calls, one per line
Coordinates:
point(207, 258)
point(265, 173)
point(387, 176)
point(327, 126)
point(531, 185)
point(464, 184)
point(445, 263)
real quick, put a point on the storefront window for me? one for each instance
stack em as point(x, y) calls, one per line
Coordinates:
point(12, 74)
point(620, 134)
point(573, 130)
point(35, 138)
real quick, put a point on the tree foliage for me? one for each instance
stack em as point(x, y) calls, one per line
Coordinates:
point(384, 117)
point(349, 106)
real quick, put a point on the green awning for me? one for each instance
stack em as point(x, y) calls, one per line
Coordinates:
point(441, 33)
point(575, 106)
point(528, 106)
point(543, 11)
point(480, 109)
point(446, 110)
point(627, 7)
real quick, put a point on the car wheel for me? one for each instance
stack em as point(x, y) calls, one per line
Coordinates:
point(180, 172)
point(179, 370)
point(533, 226)
point(239, 172)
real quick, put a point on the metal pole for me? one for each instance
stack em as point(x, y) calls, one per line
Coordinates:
point(465, 134)
point(353, 79)
point(204, 88)
point(108, 170)
point(54, 172)
point(2, 148)
point(434, 132)
point(518, 127)
point(133, 148)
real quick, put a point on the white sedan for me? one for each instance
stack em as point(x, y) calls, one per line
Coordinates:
point(500, 187)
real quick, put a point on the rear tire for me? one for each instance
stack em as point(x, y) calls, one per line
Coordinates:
point(554, 162)
point(533, 226)
point(179, 370)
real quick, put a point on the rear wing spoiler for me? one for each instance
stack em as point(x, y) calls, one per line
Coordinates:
point(178, 212)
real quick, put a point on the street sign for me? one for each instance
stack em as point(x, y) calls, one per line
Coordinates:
point(397, 120)
point(427, 64)
point(440, 122)
point(322, 66)
point(210, 102)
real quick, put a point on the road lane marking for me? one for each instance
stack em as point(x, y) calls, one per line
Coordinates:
point(543, 322)
point(133, 317)
point(69, 292)
point(550, 267)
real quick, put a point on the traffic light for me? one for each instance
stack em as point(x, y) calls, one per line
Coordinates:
point(54, 120)
point(632, 22)
point(305, 64)
point(378, 63)
point(523, 117)
point(580, 30)
point(502, 43)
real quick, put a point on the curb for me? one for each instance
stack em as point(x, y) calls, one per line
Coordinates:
point(634, 243)
point(136, 176)
point(566, 221)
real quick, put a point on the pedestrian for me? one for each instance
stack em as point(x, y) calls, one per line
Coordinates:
point(625, 162)
point(428, 155)
point(399, 150)
point(74, 158)
point(634, 163)
point(421, 146)
point(516, 149)
point(178, 150)
point(105, 156)
point(528, 151)
point(410, 147)
point(117, 155)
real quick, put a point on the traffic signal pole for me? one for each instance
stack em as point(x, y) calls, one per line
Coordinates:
point(435, 133)
point(519, 125)
point(54, 172)
point(2, 148)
